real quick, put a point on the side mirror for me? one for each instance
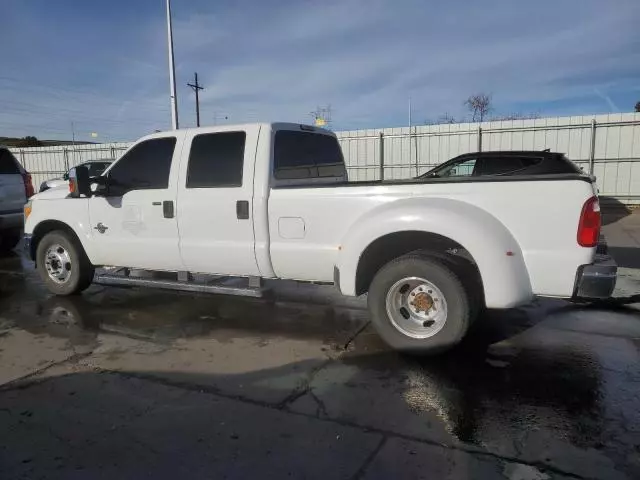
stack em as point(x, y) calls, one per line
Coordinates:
point(65, 176)
point(79, 182)
point(100, 185)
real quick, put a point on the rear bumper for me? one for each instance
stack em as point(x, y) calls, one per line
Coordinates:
point(596, 280)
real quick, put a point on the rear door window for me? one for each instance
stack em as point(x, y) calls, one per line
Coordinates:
point(216, 160)
point(300, 155)
point(8, 163)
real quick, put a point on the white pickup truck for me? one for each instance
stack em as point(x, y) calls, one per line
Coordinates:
point(220, 209)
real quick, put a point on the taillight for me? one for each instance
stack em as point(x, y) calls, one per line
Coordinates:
point(589, 226)
point(28, 186)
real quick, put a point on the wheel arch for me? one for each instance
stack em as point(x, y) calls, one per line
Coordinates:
point(437, 224)
point(394, 245)
point(47, 226)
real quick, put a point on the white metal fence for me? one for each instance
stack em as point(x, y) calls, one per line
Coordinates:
point(44, 163)
point(607, 146)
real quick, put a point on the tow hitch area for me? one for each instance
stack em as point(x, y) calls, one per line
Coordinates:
point(596, 281)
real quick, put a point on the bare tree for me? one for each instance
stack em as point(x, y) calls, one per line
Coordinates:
point(479, 105)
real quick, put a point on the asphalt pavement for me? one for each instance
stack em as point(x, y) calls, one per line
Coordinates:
point(134, 383)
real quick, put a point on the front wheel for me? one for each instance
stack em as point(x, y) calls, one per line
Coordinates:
point(419, 305)
point(62, 264)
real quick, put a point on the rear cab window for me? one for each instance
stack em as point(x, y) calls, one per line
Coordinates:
point(304, 157)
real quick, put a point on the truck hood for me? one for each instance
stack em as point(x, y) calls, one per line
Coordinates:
point(54, 193)
point(56, 182)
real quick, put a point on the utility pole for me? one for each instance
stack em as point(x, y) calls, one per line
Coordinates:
point(172, 71)
point(196, 88)
point(73, 140)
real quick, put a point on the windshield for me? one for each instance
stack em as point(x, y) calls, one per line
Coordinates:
point(96, 168)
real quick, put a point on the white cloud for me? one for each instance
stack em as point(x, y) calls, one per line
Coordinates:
point(279, 60)
point(367, 61)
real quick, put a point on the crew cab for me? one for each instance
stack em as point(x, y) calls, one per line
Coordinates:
point(220, 209)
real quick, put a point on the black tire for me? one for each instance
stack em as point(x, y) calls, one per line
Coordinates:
point(472, 282)
point(438, 273)
point(9, 239)
point(79, 268)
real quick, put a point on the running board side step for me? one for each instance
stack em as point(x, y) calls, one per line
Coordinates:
point(242, 286)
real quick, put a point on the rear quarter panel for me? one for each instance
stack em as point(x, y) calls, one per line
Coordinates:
point(537, 220)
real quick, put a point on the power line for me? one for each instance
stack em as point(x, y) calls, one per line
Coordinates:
point(7, 113)
point(89, 123)
point(21, 85)
point(196, 88)
point(138, 106)
point(7, 127)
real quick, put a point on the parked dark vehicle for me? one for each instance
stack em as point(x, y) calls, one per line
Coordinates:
point(15, 190)
point(500, 163)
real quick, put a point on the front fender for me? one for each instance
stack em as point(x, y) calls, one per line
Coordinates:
point(72, 213)
point(504, 276)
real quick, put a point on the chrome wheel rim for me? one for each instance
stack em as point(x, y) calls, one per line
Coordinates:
point(416, 307)
point(57, 261)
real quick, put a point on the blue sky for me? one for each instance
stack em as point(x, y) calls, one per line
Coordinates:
point(103, 64)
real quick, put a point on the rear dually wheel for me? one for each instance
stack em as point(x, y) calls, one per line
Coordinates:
point(418, 304)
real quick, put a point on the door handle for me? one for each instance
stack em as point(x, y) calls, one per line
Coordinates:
point(167, 209)
point(242, 209)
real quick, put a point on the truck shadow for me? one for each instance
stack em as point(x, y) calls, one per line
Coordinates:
point(626, 257)
point(613, 210)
